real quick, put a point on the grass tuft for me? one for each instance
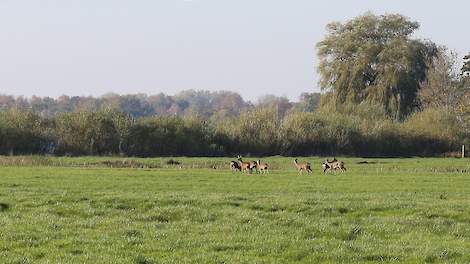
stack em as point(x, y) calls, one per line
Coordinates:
point(4, 207)
point(354, 233)
point(143, 260)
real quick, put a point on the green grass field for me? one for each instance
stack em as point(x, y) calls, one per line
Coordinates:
point(116, 210)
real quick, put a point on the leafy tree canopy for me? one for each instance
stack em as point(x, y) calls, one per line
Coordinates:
point(373, 58)
point(466, 65)
point(442, 87)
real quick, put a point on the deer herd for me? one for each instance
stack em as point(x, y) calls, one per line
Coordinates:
point(261, 167)
point(250, 166)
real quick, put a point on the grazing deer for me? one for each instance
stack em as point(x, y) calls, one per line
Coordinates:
point(303, 166)
point(234, 166)
point(261, 167)
point(244, 166)
point(333, 165)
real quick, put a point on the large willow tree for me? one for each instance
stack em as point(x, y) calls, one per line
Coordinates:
point(374, 59)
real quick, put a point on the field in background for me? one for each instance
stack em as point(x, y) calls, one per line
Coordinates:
point(118, 210)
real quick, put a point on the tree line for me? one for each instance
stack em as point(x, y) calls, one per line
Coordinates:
point(361, 130)
point(383, 94)
point(185, 103)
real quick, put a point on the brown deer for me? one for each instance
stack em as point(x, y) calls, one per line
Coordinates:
point(253, 166)
point(333, 165)
point(244, 166)
point(234, 166)
point(262, 167)
point(303, 166)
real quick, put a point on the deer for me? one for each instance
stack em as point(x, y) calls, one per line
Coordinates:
point(333, 165)
point(244, 166)
point(234, 166)
point(303, 166)
point(253, 166)
point(262, 167)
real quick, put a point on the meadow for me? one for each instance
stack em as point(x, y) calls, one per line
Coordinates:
point(123, 210)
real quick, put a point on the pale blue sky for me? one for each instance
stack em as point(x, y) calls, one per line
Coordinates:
point(254, 47)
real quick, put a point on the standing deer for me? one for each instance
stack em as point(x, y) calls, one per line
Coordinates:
point(333, 165)
point(262, 167)
point(303, 166)
point(244, 166)
point(253, 166)
point(234, 166)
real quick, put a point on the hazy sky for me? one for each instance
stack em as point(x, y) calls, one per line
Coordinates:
point(254, 47)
